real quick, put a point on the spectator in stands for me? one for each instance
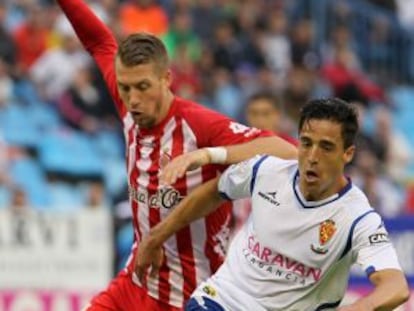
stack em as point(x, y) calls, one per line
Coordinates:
point(143, 15)
point(186, 81)
point(31, 38)
point(398, 153)
point(81, 105)
point(7, 46)
point(205, 14)
point(227, 50)
point(182, 35)
point(96, 195)
point(19, 200)
point(227, 96)
point(264, 111)
point(6, 84)
point(384, 195)
point(55, 70)
point(344, 70)
point(304, 53)
point(276, 44)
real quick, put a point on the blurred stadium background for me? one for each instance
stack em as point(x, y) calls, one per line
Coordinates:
point(64, 221)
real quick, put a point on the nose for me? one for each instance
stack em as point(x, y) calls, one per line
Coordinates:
point(313, 155)
point(134, 99)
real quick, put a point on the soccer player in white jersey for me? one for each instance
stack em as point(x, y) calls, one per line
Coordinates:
point(308, 225)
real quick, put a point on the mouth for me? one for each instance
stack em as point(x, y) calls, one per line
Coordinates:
point(311, 176)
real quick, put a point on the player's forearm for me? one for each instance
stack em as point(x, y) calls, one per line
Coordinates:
point(199, 203)
point(390, 291)
point(91, 31)
point(275, 146)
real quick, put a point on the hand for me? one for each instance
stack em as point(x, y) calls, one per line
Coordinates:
point(183, 163)
point(149, 255)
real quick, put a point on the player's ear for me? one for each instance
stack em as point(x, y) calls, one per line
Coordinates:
point(167, 77)
point(349, 154)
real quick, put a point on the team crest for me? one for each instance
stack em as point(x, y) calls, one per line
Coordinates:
point(326, 231)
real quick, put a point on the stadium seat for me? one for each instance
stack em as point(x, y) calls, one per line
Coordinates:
point(70, 153)
point(64, 197)
point(28, 175)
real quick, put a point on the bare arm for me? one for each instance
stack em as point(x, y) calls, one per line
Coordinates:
point(199, 203)
point(391, 290)
point(274, 145)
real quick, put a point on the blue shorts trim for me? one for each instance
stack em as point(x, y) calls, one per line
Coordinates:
point(207, 305)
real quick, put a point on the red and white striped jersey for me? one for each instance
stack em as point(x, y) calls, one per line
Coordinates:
point(196, 251)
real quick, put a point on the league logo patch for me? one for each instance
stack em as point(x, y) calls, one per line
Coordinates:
point(378, 238)
point(209, 290)
point(326, 231)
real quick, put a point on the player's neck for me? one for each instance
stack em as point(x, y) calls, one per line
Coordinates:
point(315, 195)
point(169, 97)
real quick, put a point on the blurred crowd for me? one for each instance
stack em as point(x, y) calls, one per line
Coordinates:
point(257, 61)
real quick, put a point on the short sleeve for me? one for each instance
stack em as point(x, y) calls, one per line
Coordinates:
point(215, 129)
point(236, 181)
point(372, 246)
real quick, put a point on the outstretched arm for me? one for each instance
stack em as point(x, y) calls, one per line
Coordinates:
point(199, 203)
point(390, 291)
point(274, 145)
point(97, 40)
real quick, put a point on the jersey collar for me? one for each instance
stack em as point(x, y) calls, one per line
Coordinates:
point(314, 204)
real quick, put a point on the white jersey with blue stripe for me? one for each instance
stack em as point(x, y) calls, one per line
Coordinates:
point(293, 254)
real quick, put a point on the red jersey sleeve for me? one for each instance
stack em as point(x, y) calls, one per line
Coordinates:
point(97, 40)
point(214, 129)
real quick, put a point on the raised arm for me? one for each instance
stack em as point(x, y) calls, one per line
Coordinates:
point(391, 290)
point(97, 40)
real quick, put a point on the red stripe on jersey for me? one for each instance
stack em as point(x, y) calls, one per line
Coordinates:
point(184, 248)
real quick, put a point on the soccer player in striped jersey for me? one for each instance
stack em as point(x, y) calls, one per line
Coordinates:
point(159, 126)
point(308, 225)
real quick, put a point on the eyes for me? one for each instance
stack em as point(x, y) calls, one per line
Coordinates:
point(327, 146)
point(141, 87)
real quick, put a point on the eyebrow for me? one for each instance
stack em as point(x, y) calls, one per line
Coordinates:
point(144, 81)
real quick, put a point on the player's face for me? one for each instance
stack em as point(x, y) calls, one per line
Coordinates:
point(144, 91)
point(322, 159)
point(262, 115)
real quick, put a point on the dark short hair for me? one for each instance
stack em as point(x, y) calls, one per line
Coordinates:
point(143, 48)
point(267, 96)
point(335, 110)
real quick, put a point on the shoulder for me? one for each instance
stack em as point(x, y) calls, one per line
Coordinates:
point(271, 165)
point(356, 202)
point(189, 109)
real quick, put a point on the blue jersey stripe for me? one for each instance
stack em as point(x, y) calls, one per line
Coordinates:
point(351, 233)
point(225, 196)
point(254, 173)
point(328, 305)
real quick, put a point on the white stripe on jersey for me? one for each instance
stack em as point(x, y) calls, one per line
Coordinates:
point(198, 227)
point(172, 257)
point(144, 163)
